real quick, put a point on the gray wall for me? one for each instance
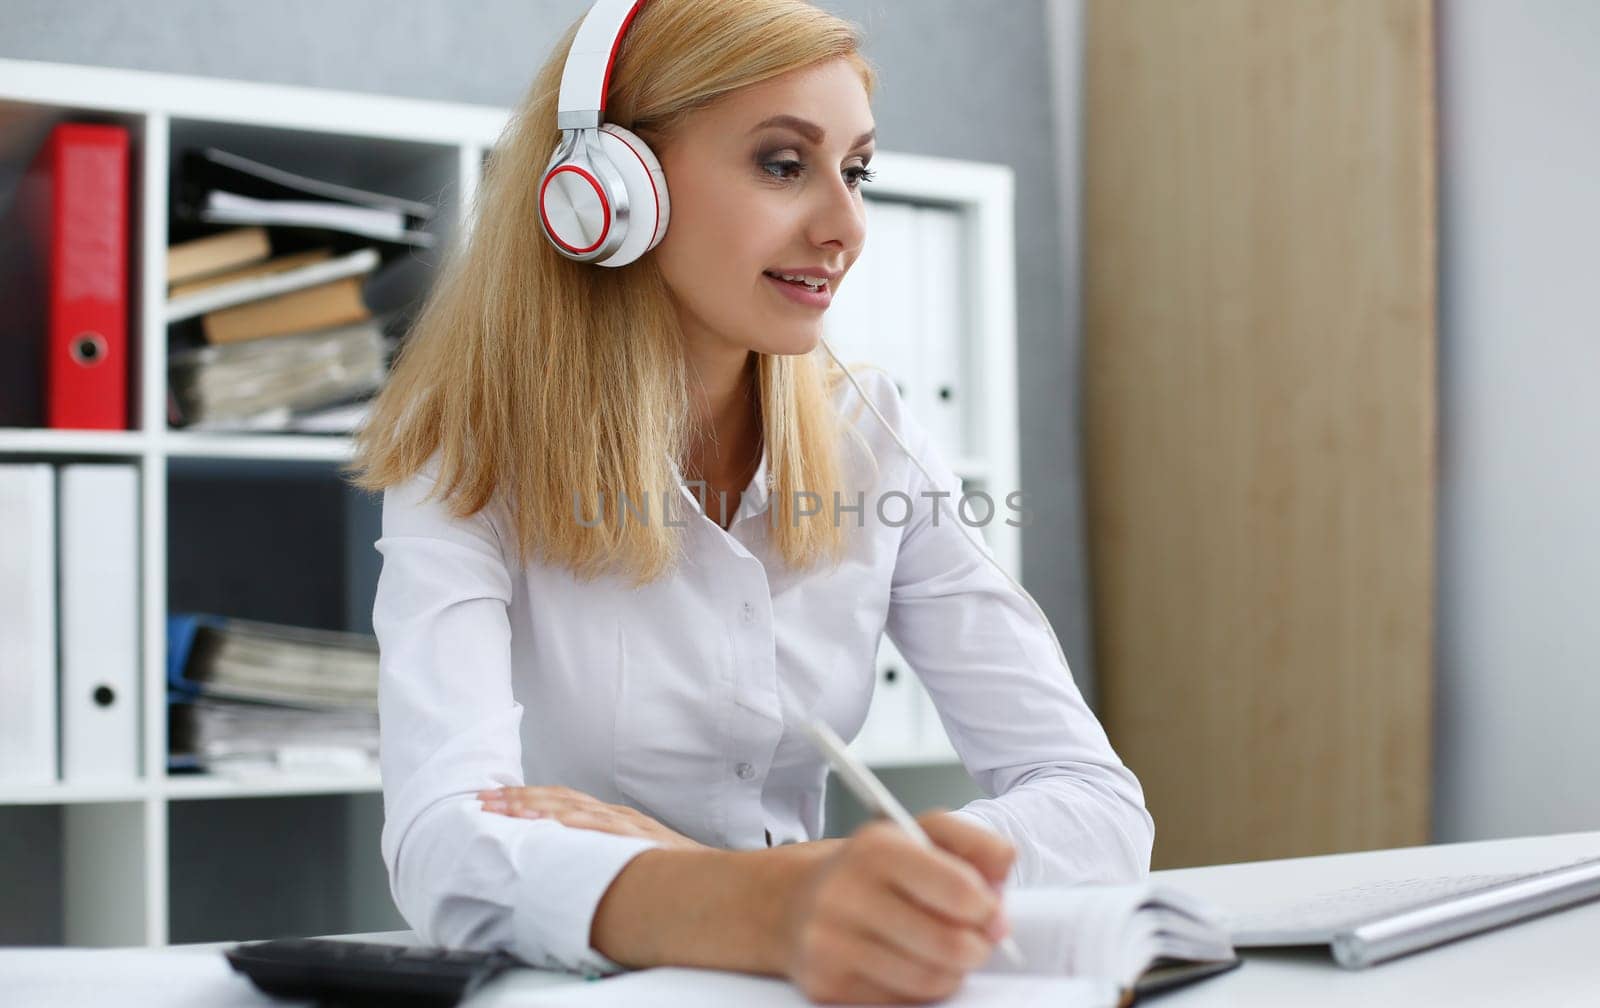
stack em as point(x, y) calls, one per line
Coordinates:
point(1519, 555)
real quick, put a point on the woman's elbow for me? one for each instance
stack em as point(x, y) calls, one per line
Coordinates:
point(1139, 838)
point(441, 886)
point(456, 920)
point(1123, 832)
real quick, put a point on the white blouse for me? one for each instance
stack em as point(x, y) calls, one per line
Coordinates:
point(667, 698)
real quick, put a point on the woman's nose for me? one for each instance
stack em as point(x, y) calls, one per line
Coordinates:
point(840, 218)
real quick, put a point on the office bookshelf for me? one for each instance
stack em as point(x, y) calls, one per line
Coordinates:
point(119, 838)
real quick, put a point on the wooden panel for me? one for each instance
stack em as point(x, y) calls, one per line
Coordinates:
point(1259, 369)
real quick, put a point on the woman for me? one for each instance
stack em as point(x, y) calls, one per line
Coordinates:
point(590, 747)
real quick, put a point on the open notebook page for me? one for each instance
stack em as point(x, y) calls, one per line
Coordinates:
point(1099, 931)
point(674, 986)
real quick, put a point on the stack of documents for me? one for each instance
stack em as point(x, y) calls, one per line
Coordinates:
point(282, 316)
point(244, 693)
point(223, 188)
point(280, 383)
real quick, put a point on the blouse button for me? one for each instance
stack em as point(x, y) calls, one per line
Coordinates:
point(749, 613)
point(745, 771)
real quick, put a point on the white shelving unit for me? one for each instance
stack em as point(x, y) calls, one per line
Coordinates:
point(115, 857)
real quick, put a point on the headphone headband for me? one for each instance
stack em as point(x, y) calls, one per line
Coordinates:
point(584, 82)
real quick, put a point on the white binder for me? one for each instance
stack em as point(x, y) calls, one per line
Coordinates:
point(27, 624)
point(894, 339)
point(848, 322)
point(941, 394)
point(889, 734)
point(905, 307)
point(99, 622)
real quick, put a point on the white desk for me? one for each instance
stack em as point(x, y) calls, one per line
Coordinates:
point(1552, 962)
point(1549, 961)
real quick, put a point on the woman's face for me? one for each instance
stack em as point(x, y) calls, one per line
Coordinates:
point(751, 197)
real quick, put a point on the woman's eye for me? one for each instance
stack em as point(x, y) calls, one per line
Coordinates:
point(784, 168)
point(856, 174)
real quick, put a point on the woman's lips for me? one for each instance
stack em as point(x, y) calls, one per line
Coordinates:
point(800, 293)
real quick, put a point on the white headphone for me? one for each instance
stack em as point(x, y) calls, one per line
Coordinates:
point(603, 197)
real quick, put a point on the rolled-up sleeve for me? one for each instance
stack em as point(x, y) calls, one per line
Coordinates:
point(1055, 787)
point(463, 877)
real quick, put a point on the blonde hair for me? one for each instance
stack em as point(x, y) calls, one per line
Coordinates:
point(546, 381)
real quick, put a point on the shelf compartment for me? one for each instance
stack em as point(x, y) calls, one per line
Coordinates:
point(423, 172)
point(279, 541)
point(427, 173)
point(77, 870)
point(283, 541)
point(326, 877)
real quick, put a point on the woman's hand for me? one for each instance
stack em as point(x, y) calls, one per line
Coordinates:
point(883, 919)
point(575, 808)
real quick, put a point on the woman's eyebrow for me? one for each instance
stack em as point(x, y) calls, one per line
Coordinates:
point(810, 130)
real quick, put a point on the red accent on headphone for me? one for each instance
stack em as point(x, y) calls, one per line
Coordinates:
point(605, 83)
point(605, 209)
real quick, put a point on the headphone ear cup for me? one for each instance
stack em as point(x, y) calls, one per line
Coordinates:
point(574, 207)
point(648, 202)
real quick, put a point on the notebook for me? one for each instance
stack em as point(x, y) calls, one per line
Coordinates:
point(677, 986)
point(1368, 924)
point(1091, 946)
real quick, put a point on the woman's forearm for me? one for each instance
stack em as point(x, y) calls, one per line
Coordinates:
point(711, 908)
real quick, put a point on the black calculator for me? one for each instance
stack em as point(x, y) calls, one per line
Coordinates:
point(360, 974)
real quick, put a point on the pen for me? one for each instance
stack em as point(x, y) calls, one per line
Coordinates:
point(871, 793)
